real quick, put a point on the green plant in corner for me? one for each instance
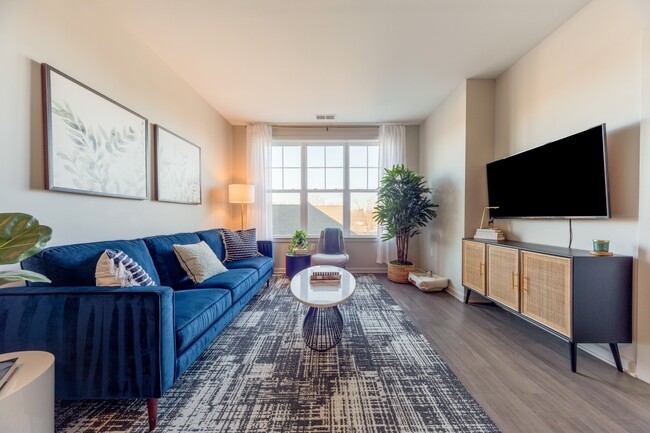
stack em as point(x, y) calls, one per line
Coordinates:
point(299, 240)
point(403, 208)
point(21, 236)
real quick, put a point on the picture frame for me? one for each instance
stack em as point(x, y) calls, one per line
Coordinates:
point(178, 168)
point(93, 144)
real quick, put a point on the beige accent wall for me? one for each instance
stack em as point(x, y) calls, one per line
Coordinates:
point(587, 72)
point(456, 142)
point(82, 40)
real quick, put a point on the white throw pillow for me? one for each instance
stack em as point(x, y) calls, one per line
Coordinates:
point(116, 269)
point(199, 261)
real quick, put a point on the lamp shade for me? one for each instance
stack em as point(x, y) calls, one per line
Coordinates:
point(241, 193)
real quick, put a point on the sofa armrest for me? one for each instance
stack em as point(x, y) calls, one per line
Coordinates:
point(108, 342)
point(266, 248)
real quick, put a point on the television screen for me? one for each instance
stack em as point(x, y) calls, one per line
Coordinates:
point(563, 179)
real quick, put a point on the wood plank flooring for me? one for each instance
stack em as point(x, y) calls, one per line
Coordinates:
point(520, 374)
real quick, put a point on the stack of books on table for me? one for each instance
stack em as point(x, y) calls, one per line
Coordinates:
point(325, 278)
point(490, 234)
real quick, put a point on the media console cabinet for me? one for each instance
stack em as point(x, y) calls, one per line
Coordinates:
point(579, 297)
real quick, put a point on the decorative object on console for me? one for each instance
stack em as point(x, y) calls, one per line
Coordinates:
point(93, 144)
point(489, 233)
point(116, 269)
point(199, 261)
point(241, 193)
point(403, 208)
point(178, 168)
point(21, 236)
point(299, 244)
point(240, 244)
point(601, 248)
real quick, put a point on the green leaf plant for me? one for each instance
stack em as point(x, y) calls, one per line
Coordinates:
point(299, 240)
point(21, 236)
point(403, 208)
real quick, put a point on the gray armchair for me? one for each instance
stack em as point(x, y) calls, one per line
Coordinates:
point(331, 249)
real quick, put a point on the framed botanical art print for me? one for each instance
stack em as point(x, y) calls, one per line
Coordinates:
point(93, 144)
point(178, 168)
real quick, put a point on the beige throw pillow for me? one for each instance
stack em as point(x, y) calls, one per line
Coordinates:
point(199, 261)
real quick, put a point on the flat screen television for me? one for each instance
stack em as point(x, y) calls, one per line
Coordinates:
point(566, 178)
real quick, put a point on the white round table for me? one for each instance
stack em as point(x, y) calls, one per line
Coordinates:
point(27, 400)
point(322, 327)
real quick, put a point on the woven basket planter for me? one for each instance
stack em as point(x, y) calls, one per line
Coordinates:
point(399, 273)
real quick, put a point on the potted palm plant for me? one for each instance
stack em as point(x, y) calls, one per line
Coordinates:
point(21, 236)
point(403, 208)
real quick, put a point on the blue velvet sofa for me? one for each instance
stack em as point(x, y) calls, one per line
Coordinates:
point(132, 342)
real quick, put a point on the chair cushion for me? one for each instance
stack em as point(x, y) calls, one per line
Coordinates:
point(215, 241)
point(195, 311)
point(262, 264)
point(236, 281)
point(331, 240)
point(162, 251)
point(340, 260)
point(74, 265)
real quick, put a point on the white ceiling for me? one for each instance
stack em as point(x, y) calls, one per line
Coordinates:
point(367, 61)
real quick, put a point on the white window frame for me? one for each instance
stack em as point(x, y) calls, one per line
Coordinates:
point(346, 182)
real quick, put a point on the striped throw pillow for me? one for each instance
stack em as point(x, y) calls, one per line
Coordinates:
point(240, 244)
point(116, 269)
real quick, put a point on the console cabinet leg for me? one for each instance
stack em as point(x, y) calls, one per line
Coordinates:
point(467, 293)
point(152, 410)
point(574, 356)
point(617, 356)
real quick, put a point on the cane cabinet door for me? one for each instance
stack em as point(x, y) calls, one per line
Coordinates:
point(474, 265)
point(503, 275)
point(546, 290)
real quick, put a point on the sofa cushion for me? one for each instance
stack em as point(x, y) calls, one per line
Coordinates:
point(195, 311)
point(262, 264)
point(116, 269)
point(74, 265)
point(199, 261)
point(214, 240)
point(237, 281)
point(162, 251)
point(240, 244)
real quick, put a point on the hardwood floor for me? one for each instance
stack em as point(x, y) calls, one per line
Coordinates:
point(521, 374)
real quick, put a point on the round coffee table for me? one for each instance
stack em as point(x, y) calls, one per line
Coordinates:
point(323, 324)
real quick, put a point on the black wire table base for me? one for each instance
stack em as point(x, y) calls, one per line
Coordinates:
point(322, 328)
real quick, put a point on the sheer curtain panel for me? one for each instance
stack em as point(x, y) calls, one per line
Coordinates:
point(392, 151)
point(259, 139)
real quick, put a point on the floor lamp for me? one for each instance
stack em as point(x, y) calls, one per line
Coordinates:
point(241, 193)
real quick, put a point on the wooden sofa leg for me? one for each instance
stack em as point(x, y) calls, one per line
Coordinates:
point(152, 410)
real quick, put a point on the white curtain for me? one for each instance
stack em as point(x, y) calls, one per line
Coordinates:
point(392, 151)
point(259, 139)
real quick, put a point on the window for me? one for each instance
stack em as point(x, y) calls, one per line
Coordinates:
point(317, 185)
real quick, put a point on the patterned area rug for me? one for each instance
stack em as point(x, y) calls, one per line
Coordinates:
point(259, 376)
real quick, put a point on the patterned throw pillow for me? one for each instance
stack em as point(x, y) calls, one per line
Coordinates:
point(199, 261)
point(116, 269)
point(241, 244)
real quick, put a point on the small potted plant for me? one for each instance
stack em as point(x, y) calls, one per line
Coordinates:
point(21, 236)
point(299, 244)
point(403, 208)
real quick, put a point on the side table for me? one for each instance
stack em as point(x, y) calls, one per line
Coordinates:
point(297, 263)
point(27, 401)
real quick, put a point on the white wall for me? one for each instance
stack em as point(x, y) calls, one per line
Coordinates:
point(82, 40)
point(587, 72)
point(442, 161)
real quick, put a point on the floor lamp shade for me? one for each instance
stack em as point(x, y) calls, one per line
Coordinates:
point(241, 193)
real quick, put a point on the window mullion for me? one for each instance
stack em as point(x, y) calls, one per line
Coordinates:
point(303, 188)
point(346, 189)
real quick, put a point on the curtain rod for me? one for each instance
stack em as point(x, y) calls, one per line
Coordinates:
point(324, 126)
